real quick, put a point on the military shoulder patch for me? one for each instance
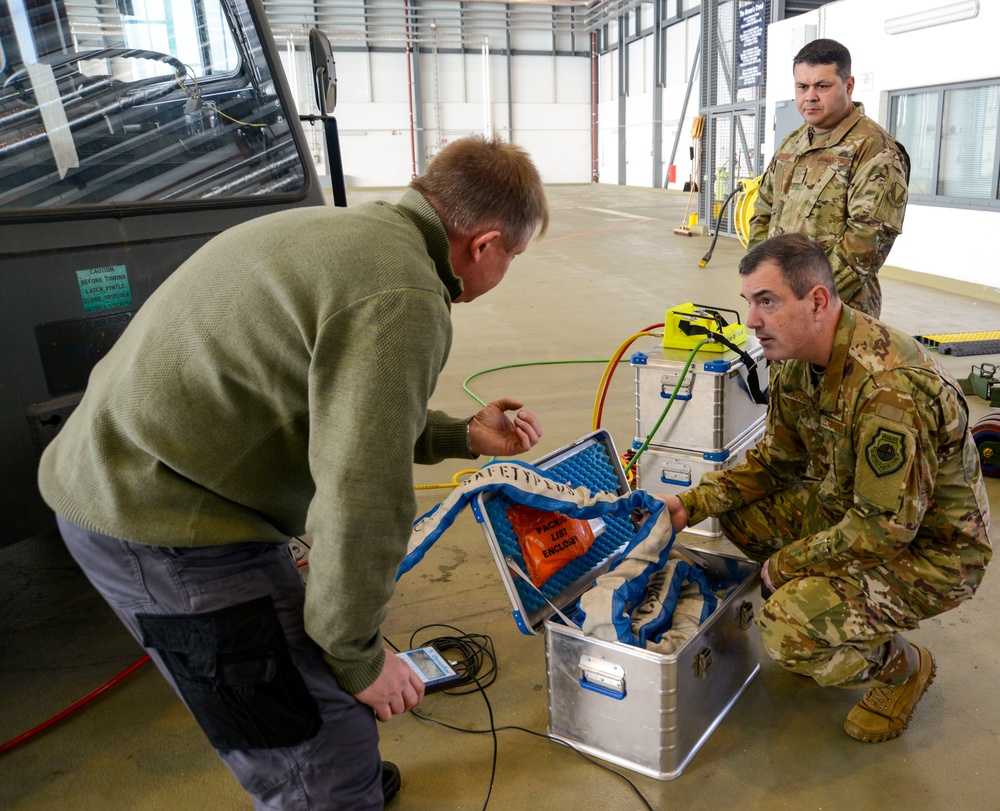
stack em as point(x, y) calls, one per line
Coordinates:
point(897, 194)
point(885, 453)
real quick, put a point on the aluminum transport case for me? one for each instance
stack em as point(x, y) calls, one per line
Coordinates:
point(671, 470)
point(713, 408)
point(645, 711)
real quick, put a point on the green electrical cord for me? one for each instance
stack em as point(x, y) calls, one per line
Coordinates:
point(670, 402)
point(467, 390)
point(659, 422)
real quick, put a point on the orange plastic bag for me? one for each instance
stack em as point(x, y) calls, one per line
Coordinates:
point(548, 540)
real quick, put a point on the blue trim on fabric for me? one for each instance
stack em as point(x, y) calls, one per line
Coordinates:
point(628, 596)
point(684, 573)
point(623, 506)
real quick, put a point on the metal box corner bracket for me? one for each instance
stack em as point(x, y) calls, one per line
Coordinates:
point(712, 408)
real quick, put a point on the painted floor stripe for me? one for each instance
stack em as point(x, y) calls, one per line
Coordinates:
point(615, 213)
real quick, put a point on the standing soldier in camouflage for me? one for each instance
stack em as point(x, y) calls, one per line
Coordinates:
point(864, 500)
point(839, 178)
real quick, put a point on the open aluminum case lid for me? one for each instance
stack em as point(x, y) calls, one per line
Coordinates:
point(590, 462)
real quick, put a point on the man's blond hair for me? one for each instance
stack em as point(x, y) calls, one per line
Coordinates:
point(478, 184)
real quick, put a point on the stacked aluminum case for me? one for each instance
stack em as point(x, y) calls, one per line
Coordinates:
point(711, 423)
point(646, 711)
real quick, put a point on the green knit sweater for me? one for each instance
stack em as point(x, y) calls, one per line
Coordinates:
point(277, 383)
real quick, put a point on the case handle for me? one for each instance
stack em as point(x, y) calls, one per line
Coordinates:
point(603, 677)
point(703, 662)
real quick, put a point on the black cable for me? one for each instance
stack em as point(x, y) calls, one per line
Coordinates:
point(496, 744)
point(473, 659)
point(472, 656)
point(718, 225)
point(569, 746)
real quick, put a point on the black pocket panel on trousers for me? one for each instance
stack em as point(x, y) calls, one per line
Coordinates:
point(233, 669)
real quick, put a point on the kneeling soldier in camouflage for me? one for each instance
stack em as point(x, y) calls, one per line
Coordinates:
point(865, 500)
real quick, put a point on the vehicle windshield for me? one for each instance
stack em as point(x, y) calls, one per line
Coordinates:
point(138, 102)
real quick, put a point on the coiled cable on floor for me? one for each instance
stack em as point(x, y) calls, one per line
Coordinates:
point(473, 658)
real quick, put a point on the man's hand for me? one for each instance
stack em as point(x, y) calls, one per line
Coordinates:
point(492, 433)
point(766, 586)
point(678, 512)
point(396, 690)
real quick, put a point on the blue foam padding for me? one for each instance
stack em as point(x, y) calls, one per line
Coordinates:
point(591, 468)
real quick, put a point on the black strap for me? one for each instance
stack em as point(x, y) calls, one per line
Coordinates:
point(753, 383)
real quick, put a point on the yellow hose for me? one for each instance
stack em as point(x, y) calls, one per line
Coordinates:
point(744, 208)
point(606, 377)
point(455, 481)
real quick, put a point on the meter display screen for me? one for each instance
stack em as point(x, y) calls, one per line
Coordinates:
point(434, 670)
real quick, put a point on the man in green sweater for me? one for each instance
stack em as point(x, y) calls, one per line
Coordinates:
point(277, 384)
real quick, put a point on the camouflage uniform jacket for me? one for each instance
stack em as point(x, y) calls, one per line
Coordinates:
point(848, 194)
point(881, 439)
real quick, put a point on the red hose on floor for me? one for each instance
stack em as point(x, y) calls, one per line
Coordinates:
point(55, 719)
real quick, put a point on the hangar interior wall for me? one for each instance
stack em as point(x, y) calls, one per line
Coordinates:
point(594, 96)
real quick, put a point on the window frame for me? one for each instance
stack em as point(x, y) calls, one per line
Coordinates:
point(947, 201)
point(263, 55)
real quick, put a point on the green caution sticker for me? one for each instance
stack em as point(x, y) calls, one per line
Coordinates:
point(885, 452)
point(104, 288)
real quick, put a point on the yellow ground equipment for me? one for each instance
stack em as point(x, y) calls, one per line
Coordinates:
point(687, 324)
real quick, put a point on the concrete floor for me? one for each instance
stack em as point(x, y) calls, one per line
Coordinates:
point(609, 266)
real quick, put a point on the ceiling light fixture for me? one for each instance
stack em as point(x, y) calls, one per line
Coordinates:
point(950, 13)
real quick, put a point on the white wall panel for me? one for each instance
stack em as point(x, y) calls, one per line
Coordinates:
point(639, 114)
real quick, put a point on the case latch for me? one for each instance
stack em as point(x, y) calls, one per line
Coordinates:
point(703, 662)
point(602, 677)
point(745, 619)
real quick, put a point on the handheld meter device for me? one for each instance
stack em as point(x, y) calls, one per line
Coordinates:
point(432, 668)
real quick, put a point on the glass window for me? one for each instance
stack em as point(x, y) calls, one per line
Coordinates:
point(138, 102)
point(916, 127)
point(968, 142)
point(951, 134)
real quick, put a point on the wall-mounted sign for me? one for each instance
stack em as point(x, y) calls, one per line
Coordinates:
point(752, 25)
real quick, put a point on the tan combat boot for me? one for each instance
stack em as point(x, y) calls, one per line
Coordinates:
point(885, 710)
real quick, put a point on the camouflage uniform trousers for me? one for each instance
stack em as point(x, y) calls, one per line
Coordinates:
point(833, 629)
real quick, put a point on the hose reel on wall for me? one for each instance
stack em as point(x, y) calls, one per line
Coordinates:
point(745, 192)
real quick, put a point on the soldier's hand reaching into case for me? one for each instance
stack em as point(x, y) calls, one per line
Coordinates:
point(678, 512)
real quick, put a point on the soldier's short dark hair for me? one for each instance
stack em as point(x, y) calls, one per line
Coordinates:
point(478, 184)
point(802, 263)
point(826, 52)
